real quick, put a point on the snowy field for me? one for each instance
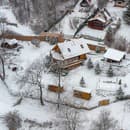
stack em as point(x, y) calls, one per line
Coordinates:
point(31, 108)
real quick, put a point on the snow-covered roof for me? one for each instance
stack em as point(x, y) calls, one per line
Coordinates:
point(103, 16)
point(98, 18)
point(114, 54)
point(96, 43)
point(87, 90)
point(13, 41)
point(73, 48)
point(108, 86)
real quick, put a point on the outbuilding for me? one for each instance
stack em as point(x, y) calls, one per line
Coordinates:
point(83, 93)
point(113, 55)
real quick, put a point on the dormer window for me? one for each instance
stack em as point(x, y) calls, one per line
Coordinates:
point(82, 46)
point(69, 49)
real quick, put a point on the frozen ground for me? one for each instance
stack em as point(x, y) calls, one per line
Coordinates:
point(31, 109)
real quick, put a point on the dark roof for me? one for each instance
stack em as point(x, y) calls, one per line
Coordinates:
point(120, 0)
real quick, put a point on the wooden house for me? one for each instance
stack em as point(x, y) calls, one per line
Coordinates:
point(55, 88)
point(83, 93)
point(113, 55)
point(120, 3)
point(52, 37)
point(101, 19)
point(69, 54)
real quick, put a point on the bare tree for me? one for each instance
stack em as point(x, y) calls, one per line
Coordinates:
point(33, 77)
point(69, 119)
point(12, 120)
point(120, 43)
point(104, 122)
point(102, 3)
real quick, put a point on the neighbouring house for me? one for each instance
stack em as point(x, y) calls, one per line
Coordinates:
point(83, 93)
point(52, 37)
point(69, 54)
point(113, 55)
point(120, 3)
point(101, 19)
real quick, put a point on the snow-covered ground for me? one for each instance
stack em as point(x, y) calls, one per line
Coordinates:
point(31, 109)
point(6, 12)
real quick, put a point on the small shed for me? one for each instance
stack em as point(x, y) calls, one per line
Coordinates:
point(96, 46)
point(83, 93)
point(104, 102)
point(113, 55)
point(55, 88)
point(120, 3)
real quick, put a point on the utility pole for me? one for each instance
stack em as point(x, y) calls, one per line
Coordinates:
point(59, 86)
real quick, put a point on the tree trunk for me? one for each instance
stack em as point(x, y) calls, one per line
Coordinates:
point(41, 99)
point(2, 76)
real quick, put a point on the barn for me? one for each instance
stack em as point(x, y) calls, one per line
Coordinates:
point(101, 19)
point(113, 55)
point(69, 54)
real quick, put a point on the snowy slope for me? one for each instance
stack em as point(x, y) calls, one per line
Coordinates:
point(7, 13)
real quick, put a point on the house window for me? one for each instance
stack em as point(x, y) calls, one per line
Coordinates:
point(82, 46)
point(69, 50)
point(119, 2)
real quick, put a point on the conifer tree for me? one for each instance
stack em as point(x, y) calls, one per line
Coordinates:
point(90, 64)
point(97, 69)
point(110, 72)
point(120, 94)
point(82, 82)
point(126, 15)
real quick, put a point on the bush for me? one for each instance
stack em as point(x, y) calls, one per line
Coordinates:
point(12, 120)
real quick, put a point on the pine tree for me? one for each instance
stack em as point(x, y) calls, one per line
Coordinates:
point(90, 64)
point(126, 14)
point(82, 82)
point(119, 94)
point(110, 72)
point(97, 69)
point(120, 82)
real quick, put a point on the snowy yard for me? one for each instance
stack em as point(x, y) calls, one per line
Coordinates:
point(101, 86)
